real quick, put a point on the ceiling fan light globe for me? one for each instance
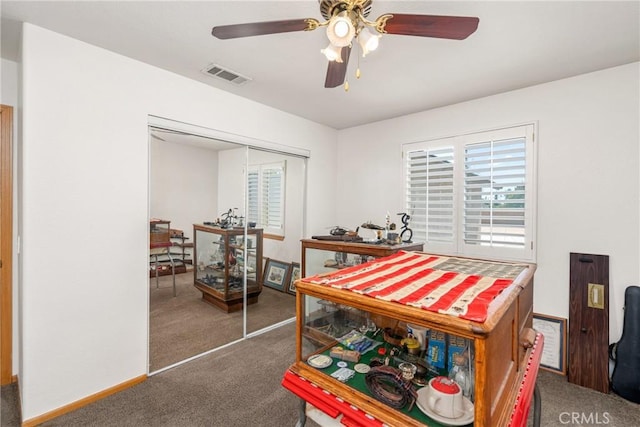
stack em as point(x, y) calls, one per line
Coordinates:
point(368, 41)
point(332, 53)
point(340, 30)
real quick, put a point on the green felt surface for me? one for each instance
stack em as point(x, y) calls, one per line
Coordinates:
point(358, 382)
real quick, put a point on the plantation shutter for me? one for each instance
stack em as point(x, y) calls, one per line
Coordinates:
point(474, 194)
point(266, 190)
point(253, 202)
point(494, 193)
point(430, 194)
point(272, 197)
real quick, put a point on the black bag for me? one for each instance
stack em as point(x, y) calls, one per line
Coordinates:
point(625, 380)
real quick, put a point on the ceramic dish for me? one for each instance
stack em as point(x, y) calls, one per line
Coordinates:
point(462, 420)
point(362, 368)
point(319, 361)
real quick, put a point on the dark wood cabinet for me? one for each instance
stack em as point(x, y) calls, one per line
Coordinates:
point(589, 321)
point(327, 255)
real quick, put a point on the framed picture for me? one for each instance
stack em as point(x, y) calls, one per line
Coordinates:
point(554, 352)
point(295, 275)
point(276, 274)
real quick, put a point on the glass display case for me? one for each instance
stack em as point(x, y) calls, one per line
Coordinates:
point(221, 257)
point(376, 354)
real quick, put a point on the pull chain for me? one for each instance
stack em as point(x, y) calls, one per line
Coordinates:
point(358, 67)
point(358, 73)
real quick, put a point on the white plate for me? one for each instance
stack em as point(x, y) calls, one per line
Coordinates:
point(320, 361)
point(464, 419)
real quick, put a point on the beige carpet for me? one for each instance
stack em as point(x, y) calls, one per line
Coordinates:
point(240, 386)
point(186, 326)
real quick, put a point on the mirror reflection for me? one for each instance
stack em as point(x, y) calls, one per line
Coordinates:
point(225, 228)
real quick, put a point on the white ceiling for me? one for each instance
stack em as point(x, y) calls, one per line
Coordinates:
point(517, 44)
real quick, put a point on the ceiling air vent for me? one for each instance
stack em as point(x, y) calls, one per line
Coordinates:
point(220, 72)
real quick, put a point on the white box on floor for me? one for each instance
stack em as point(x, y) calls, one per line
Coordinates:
point(321, 418)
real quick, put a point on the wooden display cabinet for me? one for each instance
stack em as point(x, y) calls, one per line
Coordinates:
point(500, 346)
point(220, 258)
point(316, 253)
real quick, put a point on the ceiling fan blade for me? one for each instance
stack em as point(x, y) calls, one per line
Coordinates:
point(336, 71)
point(260, 28)
point(444, 27)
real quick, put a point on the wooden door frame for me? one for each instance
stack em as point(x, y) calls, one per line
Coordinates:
point(6, 242)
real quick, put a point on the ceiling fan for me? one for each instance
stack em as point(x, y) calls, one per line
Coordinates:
point(346, 20)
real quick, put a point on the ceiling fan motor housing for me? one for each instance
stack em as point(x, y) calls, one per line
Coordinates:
point(329, 8)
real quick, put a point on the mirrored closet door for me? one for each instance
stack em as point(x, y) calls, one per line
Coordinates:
point(275, 205)
point(234, 217)
point(193, 182)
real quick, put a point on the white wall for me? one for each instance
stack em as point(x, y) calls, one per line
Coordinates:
point(588, 173)
point(85, 218)
point(9, 96)
point(183, 184)
point(9, 88)
point(231, 171)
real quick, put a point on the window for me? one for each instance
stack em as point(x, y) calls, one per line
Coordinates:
point(474, 194)
point(266, 188)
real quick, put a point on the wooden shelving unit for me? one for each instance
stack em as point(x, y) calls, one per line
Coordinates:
point(160, 231)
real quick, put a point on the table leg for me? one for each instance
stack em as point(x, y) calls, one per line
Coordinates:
point(302, 413)
point(157, 278)
point(173, 271)
point(537, 406)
